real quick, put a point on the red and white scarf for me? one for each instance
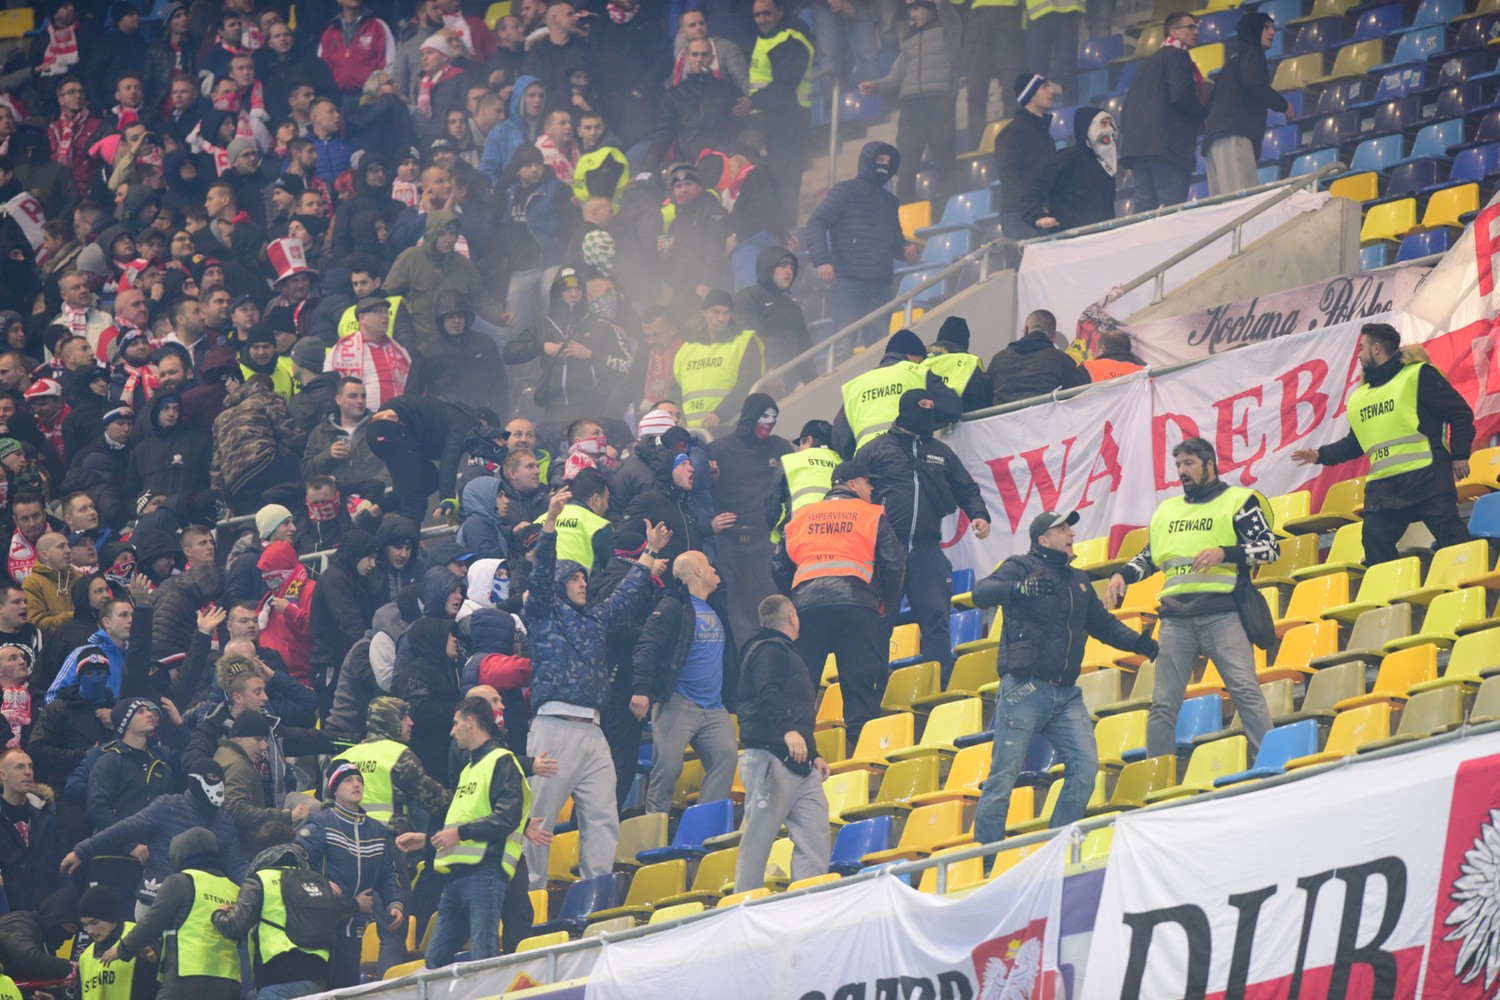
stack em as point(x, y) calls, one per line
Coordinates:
point(380, 363)
point(430, 80)
point(1198, 84)
point(64, 131)
point(62, 50)
point(76, 320)
point(144, 378)
point(21, 558)
point(458, 25)
point(406, 192)
point(53, 433)
point(235, 101)
point(619, 16)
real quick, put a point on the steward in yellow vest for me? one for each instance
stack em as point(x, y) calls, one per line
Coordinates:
point(197, 961)
point(806, 475)
point(1202, 542)
point(1416, 430)
point(715, 371)
point(872, 400)
point(950, 360)
point(584, 535)
point(480, 842)
point(268, 912)
point(780, 62)
point(103, 921)
point(393, 773)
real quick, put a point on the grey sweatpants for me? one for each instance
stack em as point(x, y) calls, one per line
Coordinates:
point(775, 795)
point(1231, 165)
point(1221, 638)
point(586, 771)
point(676, 725)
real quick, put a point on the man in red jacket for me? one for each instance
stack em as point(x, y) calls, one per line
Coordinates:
point(356, 44)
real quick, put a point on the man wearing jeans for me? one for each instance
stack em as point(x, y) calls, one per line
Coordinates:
point(680, 663)
point(1050, 611)
point(1203, 541)
point(480, 842)
point(782, 771)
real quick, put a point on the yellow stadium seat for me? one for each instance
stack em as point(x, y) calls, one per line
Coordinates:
point(651, 884)
point(539, 907)
point(613, 925)
point(1115, 734)
point(1310, 598)
point(1351, 730)
point(779, 864)
point(1449, 616)
point(1298, 72)
point(1359, 187)
point(1298, 648)
point(1100, 687)
point(947, 723)
point(1464, 565)
point(902, 780)
point(1149, 40)
point(1209, 58)
point(1287, 506)
point(1209, 761)
point(1354, 61)
point(1130, 546)
point(495, 12)
point(1272, 595)
point(1426, 714)
point(1137, 780)
point(830, 671)
point(906, 684)
point(971, 671)
point(1484, 474)
point(1297, 552)
point(812, 880)
point(830, 709)
point(1345, 555)
point(1098, 656)
point(406, 968)
point(637, 834)
point(1044, 818)
point(845, 791)
point(1486, 707)
point(1141, 600)
point(1140, 693)
point(685, 793)
point(15, 23)
point(1398, 671)
point(1447, 205)
point(675, 911)
point(986, 141)
point(965, 873)
point(1388, 221)
point(877, 739)
point(369, 945)
point(539, 941)
point(968, 770)
point(562, 859)
point(1381, 583)
point(736, 898)
point(832, 746)
point(1326, 8)
point(1342, 504)
point(711, 882)
point(915, 215)
point(906, 641)
point(1474, 657)
point(1088, 553)
point(898, 318)
point(926, 830)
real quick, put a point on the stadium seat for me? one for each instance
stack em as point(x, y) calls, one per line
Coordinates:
point(1287, 506)
point(812, 880)
point(877, 738)
point(1426, 714)
point(971, 672)
point(845, 791)
point(736, 898)
point(1138, 780)
point(1378, 22)
point(1486, 707)
point(638, 833)
point(986, 142)
point(1415, 46)
point(1321, 35)
point(1280, 745)
point(1341, 506)
point(1411, 178)
point(651, 884)
point(832, 746)
point(1100, 687)
point(966, 629)
point(1398, 671)
point(926, 830)
point(1356, 187)
point(966, 873)
point(1433, 140)
point(1324, 8)
point(1310, 597)
point(1279, 142)
point(1476, 164)
point(1449, 616)
point(1353, 61)
point(1115, 734)
point(830, 713)
point(1100, 52)
point(968, 770)
point(914, 216)
point(1437, 12)
point(1351, 730)
point(940, 251)
point(1089, 554)
point(1140, 692)
point(1428, 243)
point(1298, 72)
point(1209, 763)
point(1131, 545)
point(1298, 649)
point(1044, 817)
point(1281, 701)
point(1208, 58)
point(1484, 519)
point(1484, 474)
point(1345, 555)
point(1459, 100)
point(583, 897)
point(1309, 163)
point(908, 683)
point(1218, 26)
point(1377, 154)
point(1388, 221)
point(676, 911)
point(947, 722)
point(562, 858)
point(1199, 714)
point(698, 823)
point(901, 781)
point(1374, 257)
point(906, 643)
point(963, 211)
point(1327, 688)
point(713, 880)
point(403, 968)
point(1467, 564)
point(1381, 583)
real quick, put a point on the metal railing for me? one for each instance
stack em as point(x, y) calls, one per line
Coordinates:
point(421, 979)
point(321, 557)
point(981, 254)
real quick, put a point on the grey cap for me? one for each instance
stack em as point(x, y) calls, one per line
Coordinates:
point(309, 352)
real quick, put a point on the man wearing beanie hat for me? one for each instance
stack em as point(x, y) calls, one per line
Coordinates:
point(393, 774)
point(920, 481)
point(1026, 160)
point(171, 458)
point(805, 476)
point(127, 776)
point(872, 399)
point(693, 250)
point(102, 918)
point(314, 399)
point(274, 523)
point(354, 851)
point(258, 357)
point(960, 371)
point(197, 962)
point(240, 755)
point(717, 367)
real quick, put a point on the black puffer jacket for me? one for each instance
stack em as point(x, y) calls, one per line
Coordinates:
point(64, 732)
point(175, 606)
point(1242, 90)
point(169, 460)
point(30, 867)
point(1032, 366)
point(1044, 636)
point(665, 640)
point(462, 367)
point(774, 315)
point(857, 228)
point(29, 939)
point(884, 591)
point(669, 504)
point(895, 460)
point(695, 115)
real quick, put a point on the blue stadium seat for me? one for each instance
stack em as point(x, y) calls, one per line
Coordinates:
point(1298, 101)
point(1456, 67)
point(1093, 85)
point(1218, 26)
point(1415, 46)
point(1319, 36)
point(601, 892)
point(698, 823)
point(1062, 124)
point(1487, 132)
point(927, 299)
point(1412, 177)
point(1284, 743)
point(1484, 520)
point(1434, 140)
point(855, 840)
point(1476, 32)
point(863, 108)
point(963, 211)
point(965, 626)
point(1316, 160)
point(1459, 100)
point(1036, 767)
point(1115, 105)
point(1340, 96)
point(1394, 83)
point(1379, 22)
point(981, 172)
point(1280, 142)
point(1101, 51)
point(941, 251)
point(1377, 154)
point(1477, 163)
point(1269, 173)
point(1400, 115)
point(1372, 257)
point(1438, 12)
point(1333, 130)
point(1126, 77)
point(1424, 244)
point(963, 581)
point(1196, 717)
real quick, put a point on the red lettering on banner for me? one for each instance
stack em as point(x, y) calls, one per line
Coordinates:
point(1485, 247)
point(32, 208)
point(1293, 397)
point(1039, 480)
point(1161, 453)
point(1106, 467)
point(1231, 428)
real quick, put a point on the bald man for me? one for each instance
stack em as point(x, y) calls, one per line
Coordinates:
point(680, 664)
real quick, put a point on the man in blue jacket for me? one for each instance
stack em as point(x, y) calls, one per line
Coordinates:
point(569, 686)
point(855, 238)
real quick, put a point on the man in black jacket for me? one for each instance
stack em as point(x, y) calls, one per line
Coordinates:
point(30, 938)
point(769, 309)
point(697, 113)
point(780, 766)
point(420, 441)
point(684, 662)
point(342, 607)
point(670, 503)
point(843, 606)
point(920, 481)
point(1163, 112)
point(1050, 610)
point(1032, 365)
point(31, 848)
point(1026, 159)
point(1237, 108)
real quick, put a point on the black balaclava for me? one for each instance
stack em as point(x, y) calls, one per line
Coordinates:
point(914, 417)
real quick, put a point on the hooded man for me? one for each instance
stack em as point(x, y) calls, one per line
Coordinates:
point(171, 458)
point(423, 271)
point(671, 501)
point(482, 506)
point(768, 308)
point(520, 128)
point(1083, 189)
point(1242, 94)
point(557, 341)
point(950, 360)
point(288, 609)
point(749, 464)
point(854, 236)
point(30, 939)
point(459, 365)
point(341, 606)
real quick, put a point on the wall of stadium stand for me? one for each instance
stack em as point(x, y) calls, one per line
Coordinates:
point(1310, 247)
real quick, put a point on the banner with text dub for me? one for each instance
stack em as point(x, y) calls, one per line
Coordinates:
point(1372, 880)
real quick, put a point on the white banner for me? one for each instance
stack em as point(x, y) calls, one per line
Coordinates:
point(876, 938)
point(1391, 892)
point(1107, 453)
point(1066, 276)
point(27, 213)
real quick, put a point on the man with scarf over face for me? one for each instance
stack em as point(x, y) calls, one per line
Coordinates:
point(920, 481)
point(749, 464)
